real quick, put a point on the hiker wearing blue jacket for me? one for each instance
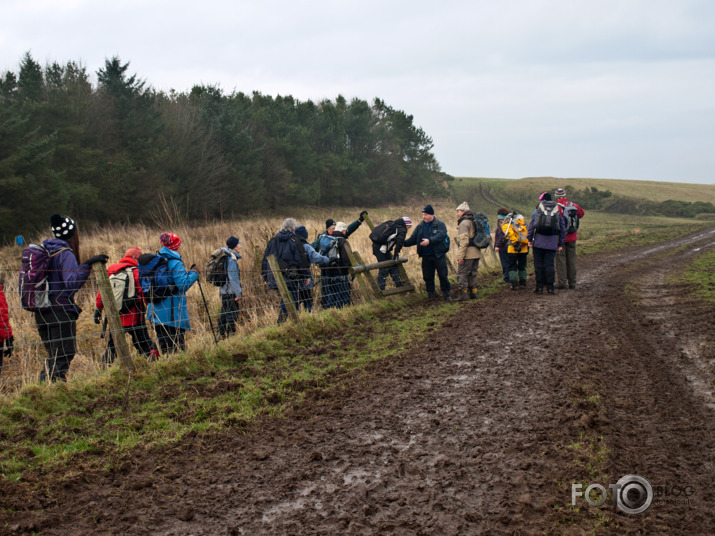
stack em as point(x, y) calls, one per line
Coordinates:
point(231, 291)
point(305, 292)
point(432, 243)
point(170, 316)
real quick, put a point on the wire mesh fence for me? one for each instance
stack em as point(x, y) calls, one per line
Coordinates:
point(92, 339)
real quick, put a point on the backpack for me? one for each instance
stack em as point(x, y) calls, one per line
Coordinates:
point(329, 247)
point(382, 232)
point(547, 218)
point(520, 230)
point(156, 281)
point(482, 234)
point(571, 215)
point(289, 269)
point(217, 268)
point(124, 290)
point(34, 286)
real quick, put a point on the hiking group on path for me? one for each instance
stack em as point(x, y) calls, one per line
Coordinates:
point(152, 288)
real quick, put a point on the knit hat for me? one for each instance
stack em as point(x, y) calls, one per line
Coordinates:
point(133, 253)
point(232, 242)
point(408, 221)
point(464, 206)
point(62, 226)
point(560, 192)
point(341, 226)
point(428, 210)
point(329, 223)
point(302, 232)
point(170, 240)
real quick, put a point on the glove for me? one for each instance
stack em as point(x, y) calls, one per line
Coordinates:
point(362, 215)
point(8, 343)
point(98, 258)
point(97, 316)
point(396, 256)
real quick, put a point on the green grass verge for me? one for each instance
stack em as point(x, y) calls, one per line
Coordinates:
point(699, 277)
point(206, 390)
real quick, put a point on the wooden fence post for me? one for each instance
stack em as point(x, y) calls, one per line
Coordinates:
point(116, 330)
point(354, 257)
point(283, 288)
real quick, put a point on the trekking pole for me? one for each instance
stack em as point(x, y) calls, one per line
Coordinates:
point(205, 305)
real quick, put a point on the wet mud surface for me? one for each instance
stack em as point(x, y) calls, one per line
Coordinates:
point(474, 432)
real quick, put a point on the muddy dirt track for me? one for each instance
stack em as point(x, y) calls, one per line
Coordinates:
point(481, 430)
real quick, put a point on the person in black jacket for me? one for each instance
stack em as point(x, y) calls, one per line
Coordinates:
point(432, 243)
point(292, 260)
point(388, 247)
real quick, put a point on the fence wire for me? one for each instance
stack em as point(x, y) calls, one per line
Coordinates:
point(258, 306)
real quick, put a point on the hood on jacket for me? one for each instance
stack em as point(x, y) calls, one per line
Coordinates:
point(283, 236)
point(468, 215)
point(54, 244)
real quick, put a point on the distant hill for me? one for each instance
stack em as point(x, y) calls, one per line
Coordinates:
point(608, 195)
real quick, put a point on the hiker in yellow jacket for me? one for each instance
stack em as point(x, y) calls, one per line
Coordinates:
point(515, 231)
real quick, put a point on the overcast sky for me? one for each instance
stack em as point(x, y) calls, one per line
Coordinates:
point(621, 89)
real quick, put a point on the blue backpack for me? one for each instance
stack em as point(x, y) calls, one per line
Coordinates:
point(482, 235)
point(156, 281)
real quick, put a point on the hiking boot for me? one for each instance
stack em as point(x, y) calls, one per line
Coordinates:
point(514, 286)
point(539, 290)
point(522, 285)
point(430, 295)
point(572, 286)
point(561, 286)
point(462, 295)
point(447, 297)
point(550, 290)
point(473, 294)
point(503, 282)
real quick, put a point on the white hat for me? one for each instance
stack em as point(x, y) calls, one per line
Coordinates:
point(464, 206)
point(341, 226)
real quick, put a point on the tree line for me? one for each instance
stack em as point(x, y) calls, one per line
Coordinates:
point(113, 151)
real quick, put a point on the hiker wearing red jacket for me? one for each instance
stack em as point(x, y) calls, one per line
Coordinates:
point(132, 320)
point(566, 258)
point(6, 339)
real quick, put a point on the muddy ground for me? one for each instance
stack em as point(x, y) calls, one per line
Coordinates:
point(482, 430)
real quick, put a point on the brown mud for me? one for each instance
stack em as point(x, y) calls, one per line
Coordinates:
point(481, 430)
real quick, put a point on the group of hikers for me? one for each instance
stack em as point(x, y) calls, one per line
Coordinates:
point(152, 287)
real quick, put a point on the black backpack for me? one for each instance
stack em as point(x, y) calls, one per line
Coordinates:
point(547, 218)
point(290, 270)
point(216, 268)
point(382, 232)
point(571, 215)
